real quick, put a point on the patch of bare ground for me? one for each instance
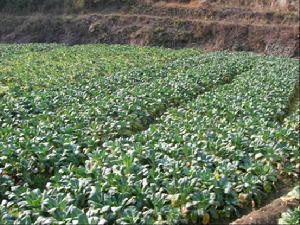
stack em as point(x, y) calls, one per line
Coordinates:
point(236, 25)
point(270, 213)
point(237, 15)
point(275, 5)
point(152, 30)
point(269, 209)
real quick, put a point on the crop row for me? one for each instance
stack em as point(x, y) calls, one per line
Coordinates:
point(10, 52)
point(34, 67)
point(43, 130)
point(203, 161)
point(76, 152)
point(42, 66)
point(207, 160)
point(8, 49)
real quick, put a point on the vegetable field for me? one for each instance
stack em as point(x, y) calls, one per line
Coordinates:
point(102, 134)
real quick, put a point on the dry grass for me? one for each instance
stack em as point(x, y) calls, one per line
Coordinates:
point(257, 5)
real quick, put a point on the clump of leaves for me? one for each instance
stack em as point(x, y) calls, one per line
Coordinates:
point(292, 216)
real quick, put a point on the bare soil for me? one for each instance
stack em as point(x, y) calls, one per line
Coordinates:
point(210, 25)
point(268, 214)
point(270, 208)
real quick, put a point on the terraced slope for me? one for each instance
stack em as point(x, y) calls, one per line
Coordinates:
point(212, 25)
point(119, 134)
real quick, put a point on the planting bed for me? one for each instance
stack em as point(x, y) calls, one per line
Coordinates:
point(118, 134)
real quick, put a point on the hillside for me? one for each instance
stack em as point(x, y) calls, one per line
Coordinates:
point(260, 26)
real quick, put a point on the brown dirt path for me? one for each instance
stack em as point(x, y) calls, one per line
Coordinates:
point(268, 214)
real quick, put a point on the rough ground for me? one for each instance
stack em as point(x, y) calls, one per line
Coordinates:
point(211, 25)
point(270, 213)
